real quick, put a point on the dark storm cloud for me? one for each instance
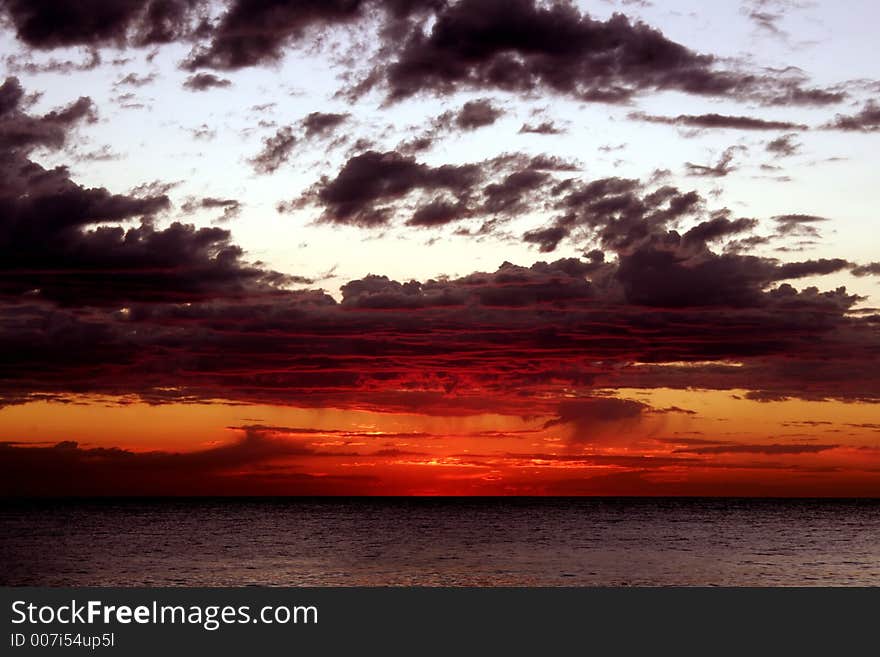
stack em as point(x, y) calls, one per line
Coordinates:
point(511, 194)
point(210, 202)
point(11, 95)
point(486, 342)
point(518, 45)
point(820, 267)
point(322, 124)
point(49, 24)
point(439, 213)
point(205, 81)
point(22, 132)
point(670, 273)
point(254, 32)
point(619, 211)
point(718, 227)
point(372, 189)
point(524, 46)
point(276, 151)
point(63, 242)
point(589, 414)
point(54, 256)
point(514, 46)
point(871, 269)
point(656, 266)
point(866, 120)
point(477, 114)
point(717, 121)
point(370, 180)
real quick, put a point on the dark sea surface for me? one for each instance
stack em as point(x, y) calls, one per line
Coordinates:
point(440, 541)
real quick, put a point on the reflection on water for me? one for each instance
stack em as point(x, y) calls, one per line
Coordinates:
point(495, 541)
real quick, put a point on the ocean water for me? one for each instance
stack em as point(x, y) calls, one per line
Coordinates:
point(440, 542)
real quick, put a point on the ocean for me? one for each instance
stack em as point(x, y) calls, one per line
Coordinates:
point(440, 542)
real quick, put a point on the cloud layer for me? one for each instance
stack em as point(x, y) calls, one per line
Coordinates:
point(629, 286)
point(176, 314)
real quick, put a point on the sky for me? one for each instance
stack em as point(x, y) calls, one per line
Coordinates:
point(439, 247)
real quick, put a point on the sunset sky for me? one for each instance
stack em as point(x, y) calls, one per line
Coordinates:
point(431, 247)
